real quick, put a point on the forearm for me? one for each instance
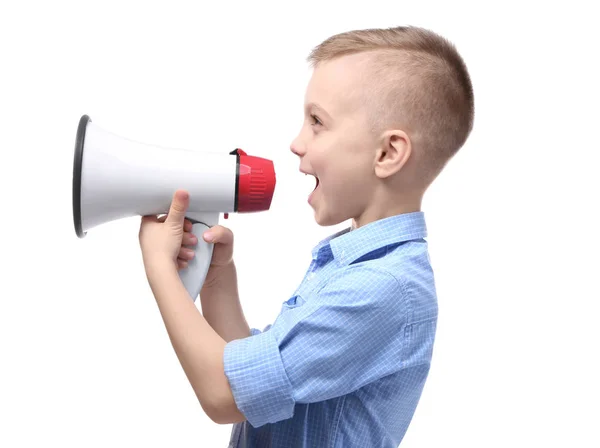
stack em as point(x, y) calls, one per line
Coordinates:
point(221, 305)
point(198, 347)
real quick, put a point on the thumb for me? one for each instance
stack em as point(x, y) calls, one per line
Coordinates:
point(179, 206)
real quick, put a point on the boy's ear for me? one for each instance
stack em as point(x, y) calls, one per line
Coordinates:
point(393, 153)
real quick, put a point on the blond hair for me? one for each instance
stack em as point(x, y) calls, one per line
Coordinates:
point(416, 79)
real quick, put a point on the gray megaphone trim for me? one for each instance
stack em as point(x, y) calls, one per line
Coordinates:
point(77, 164)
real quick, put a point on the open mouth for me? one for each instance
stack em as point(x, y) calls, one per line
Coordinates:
point(316, 180)
point(314, 188)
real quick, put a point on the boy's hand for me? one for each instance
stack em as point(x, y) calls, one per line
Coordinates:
point(162, 238)
point(222, 238)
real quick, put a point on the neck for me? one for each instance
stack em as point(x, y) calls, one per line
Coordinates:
point(388, 208)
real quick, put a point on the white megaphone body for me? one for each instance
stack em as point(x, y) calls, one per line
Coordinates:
point(115, 178)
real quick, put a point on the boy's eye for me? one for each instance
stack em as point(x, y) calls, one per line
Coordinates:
point(315, 120)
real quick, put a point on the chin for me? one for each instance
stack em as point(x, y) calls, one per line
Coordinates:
point(325, 220)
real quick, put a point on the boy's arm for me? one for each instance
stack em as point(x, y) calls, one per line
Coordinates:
point(220, 303)
point(198, 347)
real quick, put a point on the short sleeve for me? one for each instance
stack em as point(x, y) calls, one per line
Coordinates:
point(347, 335)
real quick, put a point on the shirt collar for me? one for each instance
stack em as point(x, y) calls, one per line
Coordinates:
point(350, 244)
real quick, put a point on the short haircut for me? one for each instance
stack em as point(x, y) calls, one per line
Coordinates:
point(415, 79)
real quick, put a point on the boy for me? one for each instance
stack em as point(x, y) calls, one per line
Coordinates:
point(345, 362)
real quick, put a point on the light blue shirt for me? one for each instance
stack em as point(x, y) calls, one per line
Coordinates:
point(345, 361)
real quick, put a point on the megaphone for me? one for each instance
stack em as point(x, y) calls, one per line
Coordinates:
point(115, 177)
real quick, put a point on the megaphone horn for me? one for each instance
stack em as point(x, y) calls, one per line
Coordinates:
point(114, 178)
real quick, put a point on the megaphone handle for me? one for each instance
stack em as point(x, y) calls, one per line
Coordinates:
point(194, 275)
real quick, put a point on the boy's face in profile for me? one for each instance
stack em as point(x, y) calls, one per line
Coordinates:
point(335, 143)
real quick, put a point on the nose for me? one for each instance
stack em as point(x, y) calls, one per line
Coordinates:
point(297, 147)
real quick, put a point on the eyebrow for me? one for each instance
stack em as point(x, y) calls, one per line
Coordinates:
point(319, 109)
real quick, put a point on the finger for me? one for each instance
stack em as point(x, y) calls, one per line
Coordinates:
point(149, 218)
point(186, 254)
point(182, 264)
point(179, 205)
point(189, 239)
point(218, 234)
point(187, 224)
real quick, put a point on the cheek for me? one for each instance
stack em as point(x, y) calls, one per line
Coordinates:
point(346, 182)
point(343, 165)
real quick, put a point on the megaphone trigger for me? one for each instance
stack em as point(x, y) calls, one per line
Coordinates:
point(194, 274)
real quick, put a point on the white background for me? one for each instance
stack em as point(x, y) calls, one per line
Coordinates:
point(513, 221)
